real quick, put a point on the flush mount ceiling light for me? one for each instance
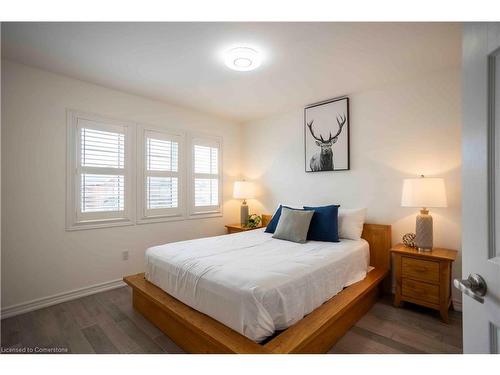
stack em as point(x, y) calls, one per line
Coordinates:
point(242, 58)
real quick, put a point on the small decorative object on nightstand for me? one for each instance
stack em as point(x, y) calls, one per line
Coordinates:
point(424, 278)
point(254, 221)
point(235, 228)
point(409, 239)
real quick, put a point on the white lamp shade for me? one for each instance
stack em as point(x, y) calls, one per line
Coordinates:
point(423, 192)
point(243, 190)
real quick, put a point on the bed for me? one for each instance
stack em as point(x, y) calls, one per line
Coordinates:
point(238, 293)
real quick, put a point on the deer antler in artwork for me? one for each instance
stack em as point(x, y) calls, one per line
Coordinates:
point(309, 125)
point(340, 121)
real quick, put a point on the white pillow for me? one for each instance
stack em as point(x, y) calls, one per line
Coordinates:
point(351, 223)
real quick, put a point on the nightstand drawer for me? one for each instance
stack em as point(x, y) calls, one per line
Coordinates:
point(419, 269)
point(420, 291)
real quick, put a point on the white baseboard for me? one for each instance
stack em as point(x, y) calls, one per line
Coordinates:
point(457, 305)
point(59, 298)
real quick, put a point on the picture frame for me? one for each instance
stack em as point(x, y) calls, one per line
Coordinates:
point(326, 136)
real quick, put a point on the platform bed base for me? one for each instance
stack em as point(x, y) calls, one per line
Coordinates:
point(317, 332)
point(198, 333)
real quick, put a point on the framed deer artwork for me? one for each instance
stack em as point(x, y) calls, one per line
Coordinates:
point(326, 135)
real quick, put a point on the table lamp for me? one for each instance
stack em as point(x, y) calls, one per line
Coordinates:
point(243, 190)
point(424, 193)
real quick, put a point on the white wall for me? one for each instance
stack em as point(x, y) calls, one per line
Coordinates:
point(397, 131)
point(40, 258)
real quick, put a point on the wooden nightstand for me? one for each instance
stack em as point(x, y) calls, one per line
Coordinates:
point(235, 228)
point(424, 278)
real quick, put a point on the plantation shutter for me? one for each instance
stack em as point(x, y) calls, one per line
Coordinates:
point(206, 176)
point(161, 174)
point(101, 171)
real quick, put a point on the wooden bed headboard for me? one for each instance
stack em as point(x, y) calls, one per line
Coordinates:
point(377, 235)
point(379, 238)
point(266, 219)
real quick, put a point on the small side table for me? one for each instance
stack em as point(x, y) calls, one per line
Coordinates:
point(235, 228)
point(424, 278)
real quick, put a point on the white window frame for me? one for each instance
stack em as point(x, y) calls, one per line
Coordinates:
point(75, 219)
point(146, 215)
point(207, 211)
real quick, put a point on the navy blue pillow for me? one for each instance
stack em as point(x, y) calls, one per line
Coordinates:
point(324, 224)
point(271, 227)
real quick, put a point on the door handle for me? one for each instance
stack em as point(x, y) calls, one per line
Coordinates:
point(474, 286)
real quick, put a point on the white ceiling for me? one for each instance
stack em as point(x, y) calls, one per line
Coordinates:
point(180, 62)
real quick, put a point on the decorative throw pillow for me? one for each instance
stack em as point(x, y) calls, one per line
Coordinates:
point(351, 223)
point(293, 225)
point(271, 226)
point(324, 225)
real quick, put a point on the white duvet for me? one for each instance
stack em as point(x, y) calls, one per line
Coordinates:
point(254, 283)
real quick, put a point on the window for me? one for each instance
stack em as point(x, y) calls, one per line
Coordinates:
point(206, 177)
point(161, 182)
point(121, 173)
point(99, 172)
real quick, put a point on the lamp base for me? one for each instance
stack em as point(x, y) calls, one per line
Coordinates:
point(244, 214)
point(424, 231)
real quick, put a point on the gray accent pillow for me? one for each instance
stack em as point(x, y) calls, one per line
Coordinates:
point(293, 225)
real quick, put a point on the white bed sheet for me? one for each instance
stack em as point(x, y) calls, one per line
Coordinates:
point(254, 283)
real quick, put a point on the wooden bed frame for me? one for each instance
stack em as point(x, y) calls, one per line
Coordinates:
point(196, 332)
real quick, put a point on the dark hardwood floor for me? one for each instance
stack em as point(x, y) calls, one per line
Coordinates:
point(107, 323)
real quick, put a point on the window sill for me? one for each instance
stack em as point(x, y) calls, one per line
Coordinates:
point(97, 224)
point(160, 219)
point(202, 215)
point(100, 224)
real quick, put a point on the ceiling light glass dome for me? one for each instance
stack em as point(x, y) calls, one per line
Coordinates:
point(242, 59)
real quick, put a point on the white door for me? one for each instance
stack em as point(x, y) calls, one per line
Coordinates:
point(481, 187)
